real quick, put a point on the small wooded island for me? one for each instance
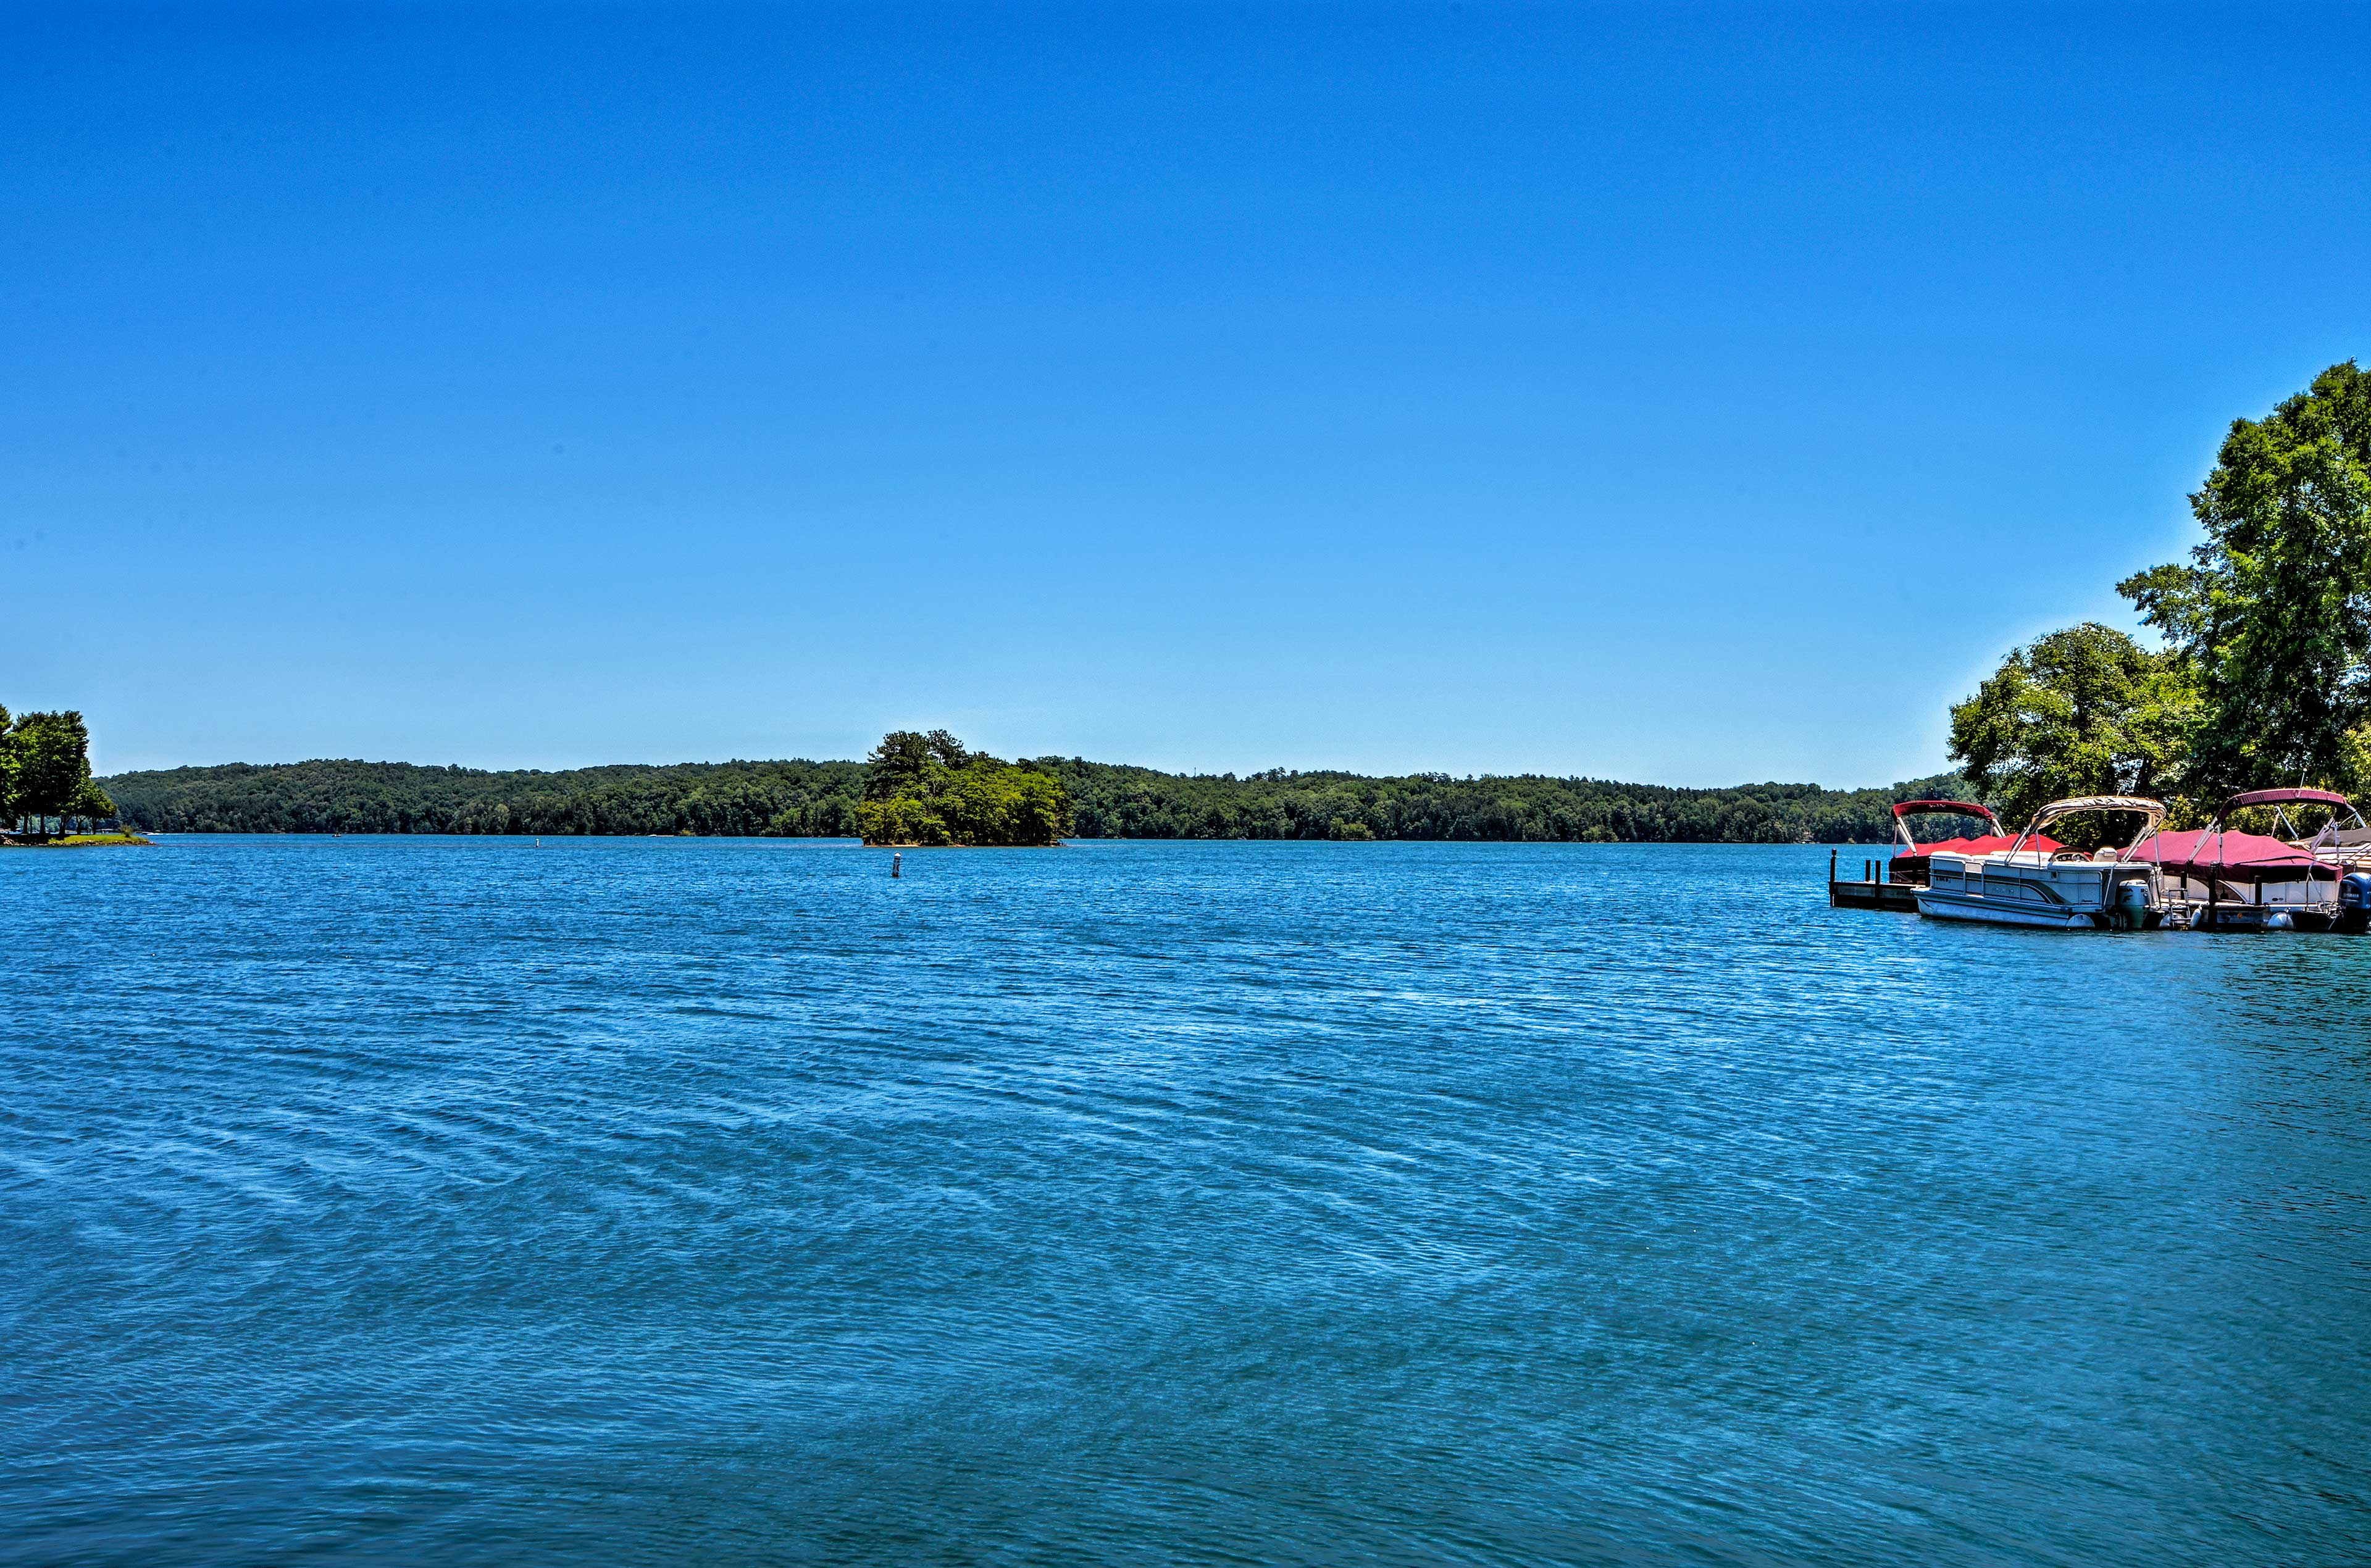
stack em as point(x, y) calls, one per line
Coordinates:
point(930, 789)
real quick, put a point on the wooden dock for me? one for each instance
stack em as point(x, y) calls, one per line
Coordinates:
point(1873, 892)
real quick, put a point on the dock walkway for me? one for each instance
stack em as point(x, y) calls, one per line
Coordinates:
point(1873, 892)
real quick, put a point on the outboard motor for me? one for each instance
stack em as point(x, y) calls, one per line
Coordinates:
point(2132, 906)
point(2354, 902)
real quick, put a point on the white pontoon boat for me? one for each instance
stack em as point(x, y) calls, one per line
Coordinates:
point(2055, 888)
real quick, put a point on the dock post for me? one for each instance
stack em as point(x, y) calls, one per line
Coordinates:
point(896, 863)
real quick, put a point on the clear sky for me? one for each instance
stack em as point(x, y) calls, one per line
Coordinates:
point(1695, 394)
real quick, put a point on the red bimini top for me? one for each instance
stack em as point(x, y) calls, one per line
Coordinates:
point(1989, 844)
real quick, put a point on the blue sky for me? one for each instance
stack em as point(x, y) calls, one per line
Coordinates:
point(1694, 395)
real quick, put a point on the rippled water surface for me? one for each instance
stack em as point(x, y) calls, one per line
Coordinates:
point(462, 1201)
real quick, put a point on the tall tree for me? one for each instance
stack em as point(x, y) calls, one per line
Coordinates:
point(51, 753)
point(900, 765)
point(2084, 712)
point(2273, 611)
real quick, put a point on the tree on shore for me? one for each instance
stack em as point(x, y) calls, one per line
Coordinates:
point(2084, 712)
point(2271, 615)
point(91, 801)
point(45, 768)
point(2264, 675)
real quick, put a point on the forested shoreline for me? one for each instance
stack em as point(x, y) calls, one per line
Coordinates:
point(802, 798)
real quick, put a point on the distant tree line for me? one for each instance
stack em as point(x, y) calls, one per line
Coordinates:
point(1113, 802)
point(732, 800)
point(2263, 672)
point(45, 774)
point(1105, 801)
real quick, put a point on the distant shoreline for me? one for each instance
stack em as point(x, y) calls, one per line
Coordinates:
point(78, 841)
point(819, 800)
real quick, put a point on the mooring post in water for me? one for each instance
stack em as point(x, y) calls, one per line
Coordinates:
point(896, 863)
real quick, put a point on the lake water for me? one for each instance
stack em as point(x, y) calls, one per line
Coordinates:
point(716, 1201)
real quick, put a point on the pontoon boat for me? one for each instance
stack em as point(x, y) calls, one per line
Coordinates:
point(2220, 879)
point(1911, 860)
point(2058, 888)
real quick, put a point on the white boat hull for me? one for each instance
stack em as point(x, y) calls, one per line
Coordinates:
point(1958, 906)
point(2044, 891)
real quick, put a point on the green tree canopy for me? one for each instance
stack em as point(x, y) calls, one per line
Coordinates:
point(909, 762)
point(2272, 615)
point(50, 759)
point(2084, 712)
point(932, 788)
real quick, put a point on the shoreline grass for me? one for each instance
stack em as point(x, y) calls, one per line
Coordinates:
point(80, 841)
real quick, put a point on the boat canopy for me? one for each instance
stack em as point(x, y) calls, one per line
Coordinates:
point(1985, 845)
point(2284, 796)
point(1963, 808)
point(2229, 856)
point(2057, 809)
point(2255, 857)
point(2152, 810)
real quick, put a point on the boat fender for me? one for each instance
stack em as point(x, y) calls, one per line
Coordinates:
point(2131, 906)
point(2278, 920)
